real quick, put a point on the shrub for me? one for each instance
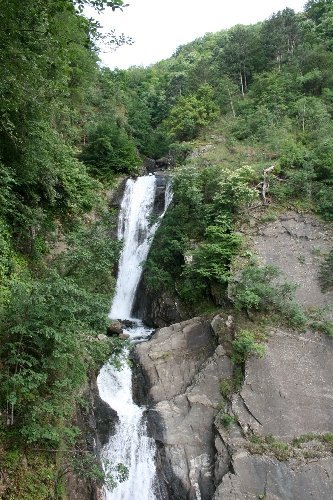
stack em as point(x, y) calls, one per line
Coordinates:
point(245, 345)
point(326, 273)
point(227, 420)
point(258, 289)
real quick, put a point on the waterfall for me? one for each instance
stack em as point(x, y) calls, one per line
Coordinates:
point(136, 233)
point(130, 444)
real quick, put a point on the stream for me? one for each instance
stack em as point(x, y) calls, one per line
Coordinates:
point(130, 444)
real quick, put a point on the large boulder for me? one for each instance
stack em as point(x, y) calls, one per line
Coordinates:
point(182, 368)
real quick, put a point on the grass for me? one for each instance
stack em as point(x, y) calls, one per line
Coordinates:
point(270, 445)
point(227, 420)
point(230, 385)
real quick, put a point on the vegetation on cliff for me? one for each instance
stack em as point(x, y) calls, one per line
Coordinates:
point(265, 89)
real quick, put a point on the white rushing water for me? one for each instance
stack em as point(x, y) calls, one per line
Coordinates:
point(130, 445)
point(136, 233)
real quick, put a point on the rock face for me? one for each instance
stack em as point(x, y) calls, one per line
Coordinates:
point(96, 421)
point(182, 367)
point(263, 477)
point(278, 441)
point(287, 394)
point(157, 310)
point(297, 244)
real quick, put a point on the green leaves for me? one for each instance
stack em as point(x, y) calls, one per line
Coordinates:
point(195, 244)
point(192, 113)
point(49, 333)
point(245, 345)
point(110, 150)
point(258, 288)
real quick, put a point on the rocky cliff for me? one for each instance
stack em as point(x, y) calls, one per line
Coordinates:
point(272, 435)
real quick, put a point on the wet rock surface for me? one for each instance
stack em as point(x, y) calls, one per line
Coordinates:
point(182, 367)
point(97, 422)
point(157, 310)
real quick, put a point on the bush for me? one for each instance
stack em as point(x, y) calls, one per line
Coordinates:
point(245, 345)
point(194, 245)
point(258, 289)
point(48, 336)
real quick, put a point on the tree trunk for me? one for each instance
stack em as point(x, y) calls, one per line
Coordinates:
point(265, 183)
point(241, 80)
point(231, 103)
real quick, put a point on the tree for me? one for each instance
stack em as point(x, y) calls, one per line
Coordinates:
point(238, 55)
point(191, 113)
point(280, 36)
point(109, 150)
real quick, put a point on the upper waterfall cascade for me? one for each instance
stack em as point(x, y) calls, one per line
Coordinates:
point(130, 444)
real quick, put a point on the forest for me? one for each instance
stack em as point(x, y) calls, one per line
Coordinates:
point(70, 129)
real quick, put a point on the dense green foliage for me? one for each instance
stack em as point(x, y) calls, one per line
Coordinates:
point(57, 258)
point(267, 88)
point(49, 330)
point(245, 345)
point(194, 246)
point(273, 84)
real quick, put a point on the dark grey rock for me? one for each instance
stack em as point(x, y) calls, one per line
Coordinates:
point(289, 391)
point(116, 328)
point(297, 244)
point(256, 477)
point(149, 166)
point(157, 310)
point(182, 369)
point(106, 419)
point(164, 163)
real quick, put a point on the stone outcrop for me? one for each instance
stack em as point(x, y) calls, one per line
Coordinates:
point(256, 477)
point(286, 395)
point(97, 421)
point(182, 368)
point(157, 310)
point(277, 443)
point(296, 244)
point(289, 392)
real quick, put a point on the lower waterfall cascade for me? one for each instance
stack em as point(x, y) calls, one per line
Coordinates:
point(130, 444)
